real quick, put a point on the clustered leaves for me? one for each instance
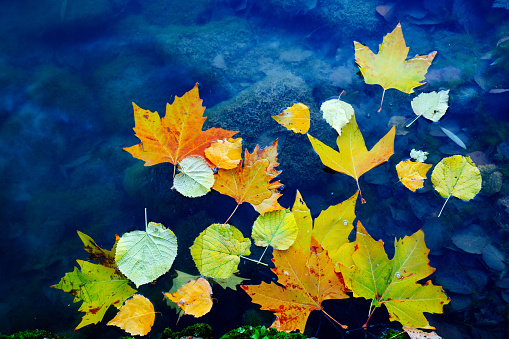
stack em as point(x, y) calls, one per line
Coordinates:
point(314, 260)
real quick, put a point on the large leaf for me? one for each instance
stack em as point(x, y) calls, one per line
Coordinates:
point(306, 281)
point(393, 283)
point(98, 287)
point(217, 250)
point(176, 136)
point(136, 316)
point(353, 158)
point(195, 178)
point(144, 256)
point(389, 68)
point(295, 118)
point(412, 174)
point(456, 176)
point(251, 180)
point(194, 297)
point(277, 229)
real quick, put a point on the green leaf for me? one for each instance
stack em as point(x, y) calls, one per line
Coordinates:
point(431, 105)
point(277, 229)
point(98, 287)
point(393, 283)
point(105, 257)
point(337, 113)
point(217, 250)
point(145, 256)
point(231, 282)
point(456, 176)
point(195, 178)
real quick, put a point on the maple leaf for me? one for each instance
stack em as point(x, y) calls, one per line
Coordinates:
point(194, 297)
point(176, 136)
point(104, 257)
point(251, 180)
point(307, 283)
point(389, 68)
point(370, 274)
point(412, 174)
point(353, 158)
point(136, 316)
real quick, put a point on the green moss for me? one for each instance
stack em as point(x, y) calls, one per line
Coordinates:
point(260, 332)
point(197, 330)
point(31, 334)
point(394, 334)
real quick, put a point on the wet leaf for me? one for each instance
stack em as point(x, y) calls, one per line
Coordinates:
point(136, 316)
point(194, 297)
point(414, 333)
point(337, 113)
point(431, 105)
point(104, 257)
point(277, 229)
point(195, 178)
point(295, 118)
point(412, 174)
point(226, 153)
point(304, 223)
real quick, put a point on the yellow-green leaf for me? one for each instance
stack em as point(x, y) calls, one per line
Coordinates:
point(98, 287)
point(456, 176)
point(412, 174)
point(337, 113)
point(217, 250)
point(431, 105)
point(304, 222)
point(105, 257)
point(353, 158)
point(277, 229)
point(295, 118)
point(393, 283)
point(195, 179)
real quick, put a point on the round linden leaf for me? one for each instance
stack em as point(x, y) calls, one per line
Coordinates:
point(145, 256)
point(195, 178)
point(277, 229)
point(337, 113)
point(457, 176)
point(431, 105)
point(217, 250)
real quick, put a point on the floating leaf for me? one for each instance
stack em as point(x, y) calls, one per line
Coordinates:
point(277, 229)
point(389, 68)
point(337, 113)
point(195, 178)
point(225, 153)
point(104, 257)
point(393, 283)
point(454, 137)
point(353, 158)
point(98, 287)
point(412, 174)
point(145, 256)
point(295, 118)
point(230, 282)
point(456, 176)
point(176, 136)
point(307, 281)
point(304, 223)
point(136, 316)
point(193, 298)
point(414, 333)
point(419, 156)
point(431, 105)
point(217, 250)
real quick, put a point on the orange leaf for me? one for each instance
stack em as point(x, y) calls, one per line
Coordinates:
point(176, 136)
point(225, 153)
point(307, 282)
point(295, 118)
point(412, 174)
point(193, 297)
point(136, 316)
point(251, 180)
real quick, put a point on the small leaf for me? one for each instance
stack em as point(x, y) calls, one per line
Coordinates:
point(295, 118)
point(230, 282)
point(412, 174)
point(419, 156)
point(136, 316)
point(454, 137)
point(431, 105)
point(337, 113)
point(145, 256)
point(195, 178)
point(193, 298)
point(225, 153)
point(277, 229)
point(217, 250)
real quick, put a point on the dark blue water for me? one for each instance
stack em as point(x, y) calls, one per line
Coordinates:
point(69, 71)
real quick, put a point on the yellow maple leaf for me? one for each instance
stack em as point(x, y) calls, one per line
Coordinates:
point(136, 316)
point(412, 174)
point(193, 298)
point(225, 153)
point(389, 68)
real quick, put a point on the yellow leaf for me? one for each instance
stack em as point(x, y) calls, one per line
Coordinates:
point(456, 176)
point(277, 229)
point(389, 68)
point(353, 158)
point(412, 174)
point(225, 153)
point(193, 298)
point(304, 222)
point(136, 316)
point(295, 118)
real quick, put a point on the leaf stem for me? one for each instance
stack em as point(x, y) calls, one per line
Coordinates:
point(256, 261)
point(439, 214)
point(263, 253)
point(146, 225)
point(360, 192)
point(383, 94)
point(231, 214)
point(411, 122)
point(366, 323)
point(337, 322)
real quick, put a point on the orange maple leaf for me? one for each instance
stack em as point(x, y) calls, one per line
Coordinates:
point(176, 136)
point(307, 282)
point(251, 180)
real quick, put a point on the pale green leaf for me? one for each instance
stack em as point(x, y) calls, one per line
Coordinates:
point(195, 178)
point(145, 256)
point(337, 113)
point(277, 229)
point(431, 105)
point(217, 250)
